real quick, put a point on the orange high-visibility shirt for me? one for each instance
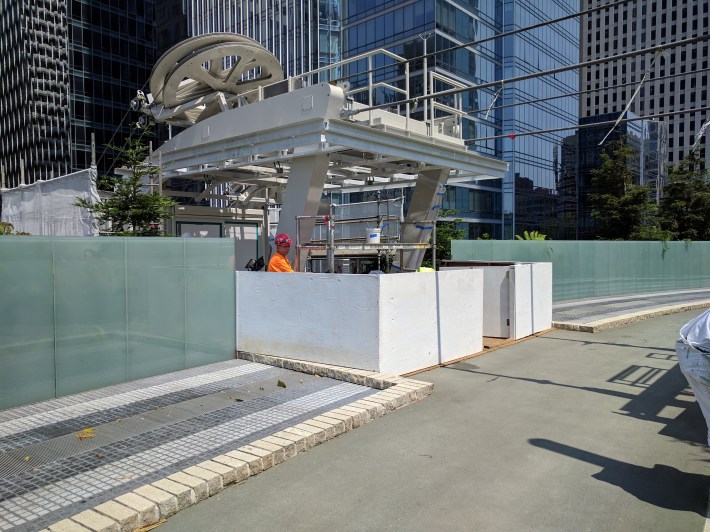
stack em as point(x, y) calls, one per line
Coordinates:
point(279, 263)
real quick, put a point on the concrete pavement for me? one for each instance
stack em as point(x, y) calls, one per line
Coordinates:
point(128, 456)
point(597, 314)
point(566, 431)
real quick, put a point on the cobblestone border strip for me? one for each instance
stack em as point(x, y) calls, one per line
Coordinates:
point(626, 319)
point(154, 502)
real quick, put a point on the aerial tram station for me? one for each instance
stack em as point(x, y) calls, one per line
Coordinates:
point(257, 140)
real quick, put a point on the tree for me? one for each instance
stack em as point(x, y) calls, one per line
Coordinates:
point(531, 235)
point(623, 210)
point(446, 231)
point(131, 210)
point(685, 206)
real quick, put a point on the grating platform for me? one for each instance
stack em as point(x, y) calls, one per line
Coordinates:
point(60, 457)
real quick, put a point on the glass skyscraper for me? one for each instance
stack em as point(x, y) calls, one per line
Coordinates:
point(677, 80)
point(536, 193)
point(68, 69)
point(302, 35)
point(648, 140)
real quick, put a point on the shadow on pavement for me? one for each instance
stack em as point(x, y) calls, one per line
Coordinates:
point(661, 389)
point(651, 391)
point(462, 366)
point(661, 485)
point(549, 336)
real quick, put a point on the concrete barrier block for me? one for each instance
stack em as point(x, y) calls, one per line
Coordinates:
point(185, 495)
point(267, 457)
point(278, 453)
point(241, 468)
point(288, 446)
point(167, 502)
point(198, 485)
point(256, 465)
point(214, 480)
point(127, 518)
point(337, 425)
point(298, 441)
point(319, 433)
point(228, 474)
point(148, 512)
point(67, 525)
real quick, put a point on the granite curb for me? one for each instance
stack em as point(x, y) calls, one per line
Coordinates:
point(625, 319)
point(155, 502)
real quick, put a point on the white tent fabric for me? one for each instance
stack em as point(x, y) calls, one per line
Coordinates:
point(45, 208)
point(693, 350)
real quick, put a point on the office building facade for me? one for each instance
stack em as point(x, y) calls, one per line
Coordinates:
point(534, 195)
point(677, 82)
point(648, 140)
point(309, 35)
point(302, 35)
point(68, 70)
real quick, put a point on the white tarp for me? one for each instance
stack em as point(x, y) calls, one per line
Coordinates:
point(693, 350)
point(45, 208)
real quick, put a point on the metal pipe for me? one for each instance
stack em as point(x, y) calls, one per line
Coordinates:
point(297, 258)
point(331, 240)
point(369, 82)
point(424, 75)
point(433, 246)
point(265, 228)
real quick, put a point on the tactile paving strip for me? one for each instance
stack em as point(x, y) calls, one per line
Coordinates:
point(64, 485)
point(67, 426)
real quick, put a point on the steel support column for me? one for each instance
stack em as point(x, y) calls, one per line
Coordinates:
point(302, 196)
point(422, 213)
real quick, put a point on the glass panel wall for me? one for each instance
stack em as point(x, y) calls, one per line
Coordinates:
point(81, 313)
point(582, 269)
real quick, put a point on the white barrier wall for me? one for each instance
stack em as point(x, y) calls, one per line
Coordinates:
point(388, 323)
point(517, 297)
point(531, 298)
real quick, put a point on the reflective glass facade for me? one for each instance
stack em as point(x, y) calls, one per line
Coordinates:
point(303, 35)
point(539, 190)
point(677, 82)
point(648, 164)
point(414, 28)
point(538, 194)
point(69, 69)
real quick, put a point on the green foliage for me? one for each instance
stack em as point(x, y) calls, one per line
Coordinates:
point(7, 229)
point(131, 210)
point(446, 231)
point(623, 211)
point(532, 235)
point(685, 206)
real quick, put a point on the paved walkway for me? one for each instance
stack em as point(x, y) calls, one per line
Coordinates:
point(566, 431)
point(133, 453)
point(597, 314)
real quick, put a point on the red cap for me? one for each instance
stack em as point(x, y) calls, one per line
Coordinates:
point(282, 240)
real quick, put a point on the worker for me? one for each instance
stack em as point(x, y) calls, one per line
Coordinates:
point(279, 262)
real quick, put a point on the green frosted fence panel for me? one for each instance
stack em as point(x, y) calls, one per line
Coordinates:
point(572, 267)
point(210, 288)
point(81, 313)
point(90, 288)
point(26, 321)
point(583, 269)
point(155, 295)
